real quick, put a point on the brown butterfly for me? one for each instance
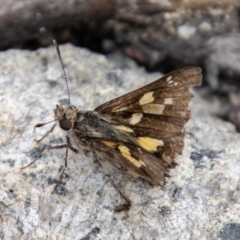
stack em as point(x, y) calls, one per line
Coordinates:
point(140, 133)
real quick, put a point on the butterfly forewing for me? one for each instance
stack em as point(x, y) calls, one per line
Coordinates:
point(176, 83)
point(161, 105)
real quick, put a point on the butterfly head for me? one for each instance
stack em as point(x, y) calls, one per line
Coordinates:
point(65, 116)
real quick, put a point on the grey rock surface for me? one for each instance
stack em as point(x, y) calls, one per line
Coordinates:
point(200, 201)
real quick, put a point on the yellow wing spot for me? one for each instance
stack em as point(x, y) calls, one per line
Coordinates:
point(126, 153)
point(136, 118)
point(123, 128)
point(110, 144)
point(150, 144)
point(146, 98)
point(153, 108)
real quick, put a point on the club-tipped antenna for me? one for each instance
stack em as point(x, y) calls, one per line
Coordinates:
point(64, 73)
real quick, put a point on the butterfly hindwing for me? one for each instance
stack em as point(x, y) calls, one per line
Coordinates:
point(131, 159)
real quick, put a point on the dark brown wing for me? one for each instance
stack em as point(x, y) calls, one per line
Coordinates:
point(159, 109)
point(174, 85)
point(154, 116)
point(132, 160)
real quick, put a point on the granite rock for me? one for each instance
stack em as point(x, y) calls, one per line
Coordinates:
point(200, 200)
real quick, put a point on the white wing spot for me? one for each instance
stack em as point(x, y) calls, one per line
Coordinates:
point(170, 82)
point(169, 78)
point(136, 118)
point(146, 98)
point(175, 84)
point(168, 101)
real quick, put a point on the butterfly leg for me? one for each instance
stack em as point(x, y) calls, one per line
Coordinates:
point(62, 172)
point(45, 150)
point(46, 134)
point(122, 207)
point(67, 146)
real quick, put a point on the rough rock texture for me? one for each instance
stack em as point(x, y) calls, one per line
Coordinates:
point(201, 199)
point(161, 35)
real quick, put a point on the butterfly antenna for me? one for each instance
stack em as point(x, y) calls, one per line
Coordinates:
point(64, 73)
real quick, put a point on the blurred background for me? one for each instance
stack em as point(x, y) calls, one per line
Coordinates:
point(157, 35)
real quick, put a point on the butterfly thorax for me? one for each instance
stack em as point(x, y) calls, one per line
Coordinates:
point(91, 124)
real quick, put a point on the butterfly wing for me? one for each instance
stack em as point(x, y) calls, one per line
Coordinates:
point(132, 160)
point(154, 116)
point(174, 85)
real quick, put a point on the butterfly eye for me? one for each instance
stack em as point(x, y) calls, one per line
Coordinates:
point(65, 124)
